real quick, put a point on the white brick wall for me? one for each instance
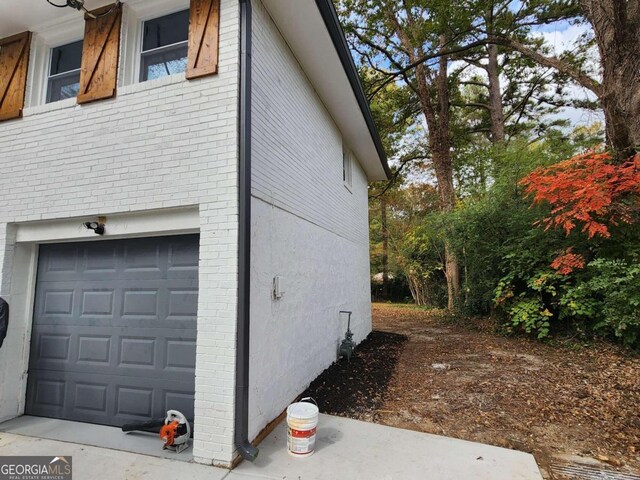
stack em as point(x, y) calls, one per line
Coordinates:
point(307, 227)
point(297, 146)
point(159, 144)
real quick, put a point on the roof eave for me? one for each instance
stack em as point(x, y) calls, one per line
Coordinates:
point(332, 22)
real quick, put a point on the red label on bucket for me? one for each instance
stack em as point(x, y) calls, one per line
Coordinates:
point(302, 433)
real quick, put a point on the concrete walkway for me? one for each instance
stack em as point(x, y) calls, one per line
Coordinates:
point(345, 449)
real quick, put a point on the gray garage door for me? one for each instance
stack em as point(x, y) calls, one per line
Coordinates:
point(114, 330)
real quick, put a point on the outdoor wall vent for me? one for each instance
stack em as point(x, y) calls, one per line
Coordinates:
point(278, 287)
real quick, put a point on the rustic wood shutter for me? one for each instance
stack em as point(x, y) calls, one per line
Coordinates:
point(204, 22)
point(100, 51)
point(14, 60)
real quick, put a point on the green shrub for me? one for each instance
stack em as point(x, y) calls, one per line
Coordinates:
point(606, 297)
point(530, 309)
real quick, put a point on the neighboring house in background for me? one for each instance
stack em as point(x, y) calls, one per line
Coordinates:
point(216, 174)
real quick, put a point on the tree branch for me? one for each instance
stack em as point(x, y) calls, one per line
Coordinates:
point(403, 163)
point(552, 62)
point(471, 104)
point(471, 82)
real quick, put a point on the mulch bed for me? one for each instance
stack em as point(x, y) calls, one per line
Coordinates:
point(356, 388)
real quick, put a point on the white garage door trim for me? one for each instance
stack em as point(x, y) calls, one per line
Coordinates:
point(25, 238)
point(149, 223)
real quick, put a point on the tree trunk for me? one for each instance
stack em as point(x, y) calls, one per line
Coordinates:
point(617, 31)
point(445, 179)
point(419, 288)
point(437, 118)
point(385, 248)
point(440, 145)
point(495, 95)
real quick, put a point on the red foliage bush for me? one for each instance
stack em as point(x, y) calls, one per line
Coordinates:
point(568, 262)
point(588, 190)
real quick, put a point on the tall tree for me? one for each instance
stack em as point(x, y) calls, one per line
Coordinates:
point(616, 29)
point(398, 33)
point(519, 92)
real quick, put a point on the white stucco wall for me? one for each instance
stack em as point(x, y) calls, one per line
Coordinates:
point(157, 145)
point(307, 228)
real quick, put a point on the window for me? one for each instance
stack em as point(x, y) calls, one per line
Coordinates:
point(64, 72)
point(164, 46)
point(346, 168)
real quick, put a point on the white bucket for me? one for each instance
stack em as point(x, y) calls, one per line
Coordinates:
point(302, 422)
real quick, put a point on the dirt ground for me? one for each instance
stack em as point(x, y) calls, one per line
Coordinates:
point(552, 400)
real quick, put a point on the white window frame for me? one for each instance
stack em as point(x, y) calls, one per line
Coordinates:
point(136, 13)
point(171, 46)
point(347, 168)
point(44, 41)
point(47, 72)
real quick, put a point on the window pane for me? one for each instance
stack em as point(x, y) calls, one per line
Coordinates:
point(166, 30)
point(344, 167)
point(66, 57)
point(161, 64)
point(66, 86)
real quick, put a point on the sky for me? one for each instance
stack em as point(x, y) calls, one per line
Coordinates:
point(562, 36)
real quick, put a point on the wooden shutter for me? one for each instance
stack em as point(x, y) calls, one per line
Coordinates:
point(204, 22)
point(100, 50)
point(14, 60)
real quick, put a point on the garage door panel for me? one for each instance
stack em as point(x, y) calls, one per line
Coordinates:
point(49, 393)
point(145, 258)
point(99, 258)
point(54, 347)
point(63, 262)
point(114, 334)
point(94, 349)
point(91, 396)
point(57, 301)
point(106, 260)
point(168, 354)
point(106, 399)
point(157, 304)
point(182, 303)
point(179, 354)
point(181, 257)
point(179, 321)
point(106, 276)
point(177, 400)
point(97, 302)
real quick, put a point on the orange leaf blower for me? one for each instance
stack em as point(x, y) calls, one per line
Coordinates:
point(176, 432)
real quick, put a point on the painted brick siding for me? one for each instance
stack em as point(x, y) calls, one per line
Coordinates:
point(159, 144)
point(297, 146)
point(307, 228)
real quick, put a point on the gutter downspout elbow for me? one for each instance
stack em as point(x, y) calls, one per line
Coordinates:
point(241, 417)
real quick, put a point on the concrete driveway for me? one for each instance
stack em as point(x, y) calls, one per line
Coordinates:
point(346, 449)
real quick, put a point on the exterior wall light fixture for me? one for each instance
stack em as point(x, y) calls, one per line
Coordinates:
point(98, 228)
point(79, 5)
